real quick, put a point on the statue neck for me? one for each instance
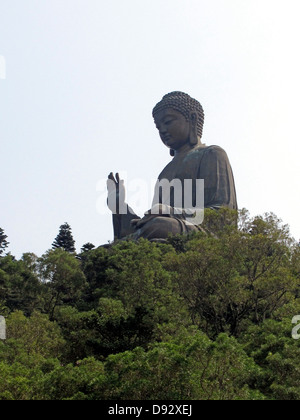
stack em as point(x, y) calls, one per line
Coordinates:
point(186, 148)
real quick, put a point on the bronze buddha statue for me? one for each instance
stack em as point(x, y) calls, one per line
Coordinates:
point(179, 120)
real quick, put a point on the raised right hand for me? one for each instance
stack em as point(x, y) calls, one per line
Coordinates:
point(116, 193)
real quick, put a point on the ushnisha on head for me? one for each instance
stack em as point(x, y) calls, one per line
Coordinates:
point(189, 107)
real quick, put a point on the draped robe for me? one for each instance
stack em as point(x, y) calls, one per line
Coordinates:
point(208, 163)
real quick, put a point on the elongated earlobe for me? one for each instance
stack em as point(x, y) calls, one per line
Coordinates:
point(193, 129)
point(172, 152)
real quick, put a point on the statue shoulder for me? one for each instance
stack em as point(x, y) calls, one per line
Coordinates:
point(214, 149)
point(206, 153)
point(215, 152)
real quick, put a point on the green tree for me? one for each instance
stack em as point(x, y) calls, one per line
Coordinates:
point(139, 280)
point(107, 330)
point(206, 316)
point(20, 288)
point(29, 352)
point(273, 349)
point(64, 239)
point(85, 251)
point(87, 247)
point(36, 335)
point(85, 381)
point(94, 265)
point(17, 381)
point(238, 277)
point(187, 367)
point(64, 280)
point(3, 241)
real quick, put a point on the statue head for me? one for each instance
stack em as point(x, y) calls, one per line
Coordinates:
point(188, 107)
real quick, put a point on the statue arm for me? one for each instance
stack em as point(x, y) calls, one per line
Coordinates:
point(122, 223)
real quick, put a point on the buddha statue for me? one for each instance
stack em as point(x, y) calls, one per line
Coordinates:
point(179, 119)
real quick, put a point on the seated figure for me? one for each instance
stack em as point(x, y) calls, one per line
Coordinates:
point(179, 120)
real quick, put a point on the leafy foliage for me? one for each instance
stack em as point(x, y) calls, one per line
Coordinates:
point(203, 317)
point(3, 241)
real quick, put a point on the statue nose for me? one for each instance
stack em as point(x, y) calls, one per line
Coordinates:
point(163, 129)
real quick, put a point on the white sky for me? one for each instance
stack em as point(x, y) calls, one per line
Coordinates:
point(82, 77)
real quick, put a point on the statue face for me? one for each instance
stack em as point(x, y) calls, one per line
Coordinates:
point(174, 129)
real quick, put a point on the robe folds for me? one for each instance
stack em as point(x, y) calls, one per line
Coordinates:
point(210, 164)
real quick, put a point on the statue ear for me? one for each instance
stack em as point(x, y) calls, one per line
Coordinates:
point(193, 128)
point(172, 152)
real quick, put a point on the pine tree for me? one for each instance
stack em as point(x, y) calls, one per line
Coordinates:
point(64, 239)
point(3, 242)
point(87, 247)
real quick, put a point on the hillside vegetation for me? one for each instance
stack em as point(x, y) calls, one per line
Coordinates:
point(205, 317)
